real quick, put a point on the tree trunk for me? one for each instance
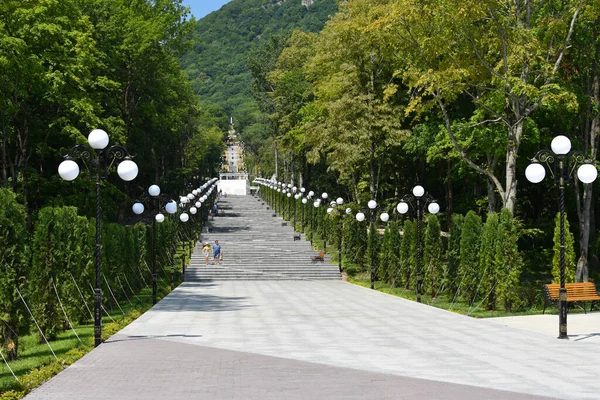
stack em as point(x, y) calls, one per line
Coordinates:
point(276, 164)
point(4, 164)
point(585, 214)
point(510, 193)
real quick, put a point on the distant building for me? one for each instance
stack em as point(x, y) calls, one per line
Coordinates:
point(233, 176)
point(234, 154)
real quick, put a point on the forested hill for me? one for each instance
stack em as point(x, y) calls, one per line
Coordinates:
point(217, 63)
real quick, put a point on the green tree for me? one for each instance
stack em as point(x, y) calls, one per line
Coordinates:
point(453, 253)
point(13, 265)
point(469, 271)
point(569, 252)
point(407, 252)
point(487, 259)
point(432, 256)
point(483, 51)
point(354, 120)
point(508, 263)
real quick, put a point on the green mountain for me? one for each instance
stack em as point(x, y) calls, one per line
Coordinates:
point(217, 63)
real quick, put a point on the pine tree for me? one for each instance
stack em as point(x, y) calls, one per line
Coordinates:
point(469, 256)
point(407, 253)
point(385, 256)
point(433, 271)
point(395, 243)
point(508, 263)
point(487, 259)
point(12, 266)
point(453, 253)
point(570, 264)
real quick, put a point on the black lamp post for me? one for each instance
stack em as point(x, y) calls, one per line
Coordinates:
point(289, 204)
point(318, 203)
point(561, 162)
point(337, 205)
point(371, 213)
point(296, 197)
point(418, 200)
point(100, 159)
point(154, 198)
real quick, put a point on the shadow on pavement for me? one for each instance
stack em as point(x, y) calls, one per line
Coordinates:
point(119, 338)
point(184, 301)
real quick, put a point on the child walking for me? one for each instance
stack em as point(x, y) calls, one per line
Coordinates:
point(206, 251)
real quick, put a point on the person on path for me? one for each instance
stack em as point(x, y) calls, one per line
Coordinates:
point(206, 251)
point(217, 252)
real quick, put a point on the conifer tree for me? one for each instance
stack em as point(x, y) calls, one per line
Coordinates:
point(570, 265)
point(12, 267)
point(385, 256)
point(470, 241)
point(432, 256)
point(406, 253)
point(453, 253)
point(395, 243)
point(508, 263)
point(487, 259)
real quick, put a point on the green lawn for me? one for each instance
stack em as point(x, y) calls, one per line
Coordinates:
point(34, 354)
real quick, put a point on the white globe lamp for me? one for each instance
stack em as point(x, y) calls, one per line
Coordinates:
point(561, 145)
point(98, 139)
point(68, 170)
point(138, 208)
point(418, 191)
point(154, 190)
point(535, 172)
point(402, 207)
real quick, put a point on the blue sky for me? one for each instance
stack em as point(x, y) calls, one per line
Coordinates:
point(202, 7)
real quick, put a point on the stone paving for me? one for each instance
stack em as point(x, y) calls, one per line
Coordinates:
point(323, 340)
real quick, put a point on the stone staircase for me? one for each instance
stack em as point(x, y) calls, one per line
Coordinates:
point(255, 246)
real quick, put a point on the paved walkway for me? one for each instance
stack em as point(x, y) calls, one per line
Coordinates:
point(252, 340)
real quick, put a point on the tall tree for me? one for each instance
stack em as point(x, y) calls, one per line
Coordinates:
point(503, 56)
point(358, 111)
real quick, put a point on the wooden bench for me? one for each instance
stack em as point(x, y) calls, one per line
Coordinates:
point(297, 237)
point(320, 257)
point(576, 293)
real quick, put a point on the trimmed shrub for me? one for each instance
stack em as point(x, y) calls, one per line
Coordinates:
point(407, 248)
point(453, 253)
point(12, 270)
point(570, 259)
point(470, 241)
point(433, 269)
point(487, 260)
point(508, 262)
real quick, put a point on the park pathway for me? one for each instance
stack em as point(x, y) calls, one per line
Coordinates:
point(320, 339)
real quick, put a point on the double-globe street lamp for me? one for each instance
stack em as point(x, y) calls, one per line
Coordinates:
point(371, 212)
point(418, 200)
point(336, 204)
point(318, 203)
point(100, 159)
point(561, 162)
point(154, 199)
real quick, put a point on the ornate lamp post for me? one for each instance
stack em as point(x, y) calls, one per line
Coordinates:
point(418, 200)
point(154, 200)
point(371, 211)
point(296, 197)
point(333, 205)
point(100, 159)
point(561, 162)
point(317, 204)
point(289, 204)
point(310, 215)
point(304, 201)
